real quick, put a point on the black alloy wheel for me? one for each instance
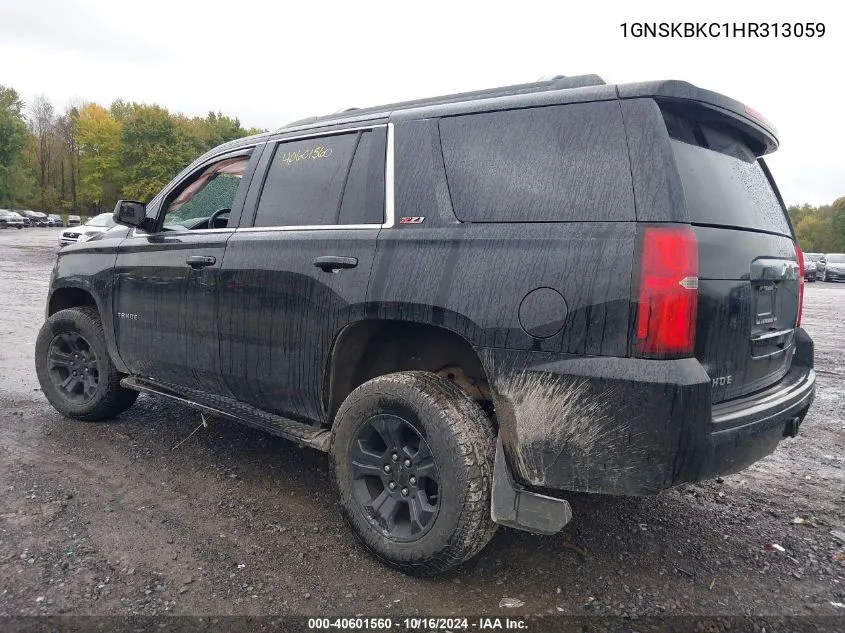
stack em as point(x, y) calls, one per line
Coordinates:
point(396, 480)
point(73, 367)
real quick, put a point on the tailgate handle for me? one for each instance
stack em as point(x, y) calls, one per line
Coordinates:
point(200, 261)
point(769, 336)
point(773, 269)
point(333, 263)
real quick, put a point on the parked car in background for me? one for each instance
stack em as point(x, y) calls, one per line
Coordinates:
point(10, 220)
point(818, 260)
point(74, 220)
point(834, 267)
point(810, 270)
point(96, 225)
point(27, 221)
point(36, 218)
point(55, 219)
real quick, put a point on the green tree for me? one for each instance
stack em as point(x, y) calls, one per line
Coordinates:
point(155, 147)
point(838, 222)
point(13, 140)
point(815, 234)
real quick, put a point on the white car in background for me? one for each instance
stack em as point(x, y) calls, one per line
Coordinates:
point(84, 232)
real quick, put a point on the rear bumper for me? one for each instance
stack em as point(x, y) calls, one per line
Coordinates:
point(633, 426)
point(834, 275)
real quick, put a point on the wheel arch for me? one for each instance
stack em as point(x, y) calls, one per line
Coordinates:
point(64, 296)
point(71, 297)
point(366, 349)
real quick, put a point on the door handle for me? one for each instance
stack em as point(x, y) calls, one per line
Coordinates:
point(200, 261)
point(333, 263)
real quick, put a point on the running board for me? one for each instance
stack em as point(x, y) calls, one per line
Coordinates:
point(298, 432)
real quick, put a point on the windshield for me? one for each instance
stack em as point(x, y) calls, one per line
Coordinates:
point(837, 258)
point(813, 257)
point(104, 219)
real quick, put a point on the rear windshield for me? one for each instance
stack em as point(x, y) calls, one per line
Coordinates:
point(723, 181)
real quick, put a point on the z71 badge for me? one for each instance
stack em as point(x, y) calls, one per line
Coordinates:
point(412, 220)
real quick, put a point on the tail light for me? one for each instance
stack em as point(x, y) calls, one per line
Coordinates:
point(799, 254)
point(668, 292)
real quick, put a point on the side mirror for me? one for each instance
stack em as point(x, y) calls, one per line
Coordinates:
point(130, 213)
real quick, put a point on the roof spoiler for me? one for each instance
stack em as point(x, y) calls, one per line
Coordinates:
point(760, 131)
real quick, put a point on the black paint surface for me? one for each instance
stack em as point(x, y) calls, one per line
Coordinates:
point(546, 307)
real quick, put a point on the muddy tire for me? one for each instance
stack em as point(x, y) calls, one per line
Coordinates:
point(412, 458)
point(74, 368)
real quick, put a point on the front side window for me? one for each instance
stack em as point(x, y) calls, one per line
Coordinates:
point(206, 200)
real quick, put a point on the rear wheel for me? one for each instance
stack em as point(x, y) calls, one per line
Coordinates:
point(74, 368)
point(412, 457)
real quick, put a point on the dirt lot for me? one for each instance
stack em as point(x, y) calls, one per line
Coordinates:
point(111, 519)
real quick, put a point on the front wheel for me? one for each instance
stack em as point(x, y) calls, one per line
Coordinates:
point(412, 457)
point(74, 368)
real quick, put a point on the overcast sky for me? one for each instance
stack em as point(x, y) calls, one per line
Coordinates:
point(269, 62)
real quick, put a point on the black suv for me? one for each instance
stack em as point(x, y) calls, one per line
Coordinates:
point(404, 287)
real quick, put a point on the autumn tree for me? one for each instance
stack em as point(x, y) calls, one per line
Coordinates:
point(98, 136)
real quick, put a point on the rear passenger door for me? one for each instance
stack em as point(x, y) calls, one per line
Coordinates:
point(300, 273)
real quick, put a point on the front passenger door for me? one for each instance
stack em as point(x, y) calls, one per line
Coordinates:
point(167, 281)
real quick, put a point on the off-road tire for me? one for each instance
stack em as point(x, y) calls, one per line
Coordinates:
point(462, 441)
point(109, 399)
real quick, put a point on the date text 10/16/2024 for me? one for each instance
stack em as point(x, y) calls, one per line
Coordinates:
point(418, 624)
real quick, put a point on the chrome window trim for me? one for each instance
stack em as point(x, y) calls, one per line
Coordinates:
point(185, 232)
point(389, 191)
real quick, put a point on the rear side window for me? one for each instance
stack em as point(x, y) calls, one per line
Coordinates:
point(548, 164)
point(724, 183)
point(325, 181)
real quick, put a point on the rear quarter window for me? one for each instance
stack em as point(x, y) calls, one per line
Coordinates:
point(547, 164)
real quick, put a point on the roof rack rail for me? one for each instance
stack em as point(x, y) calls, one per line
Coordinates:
point(557, 82)
point(576, 81)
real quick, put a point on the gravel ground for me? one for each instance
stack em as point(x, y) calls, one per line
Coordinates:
point(110, 519)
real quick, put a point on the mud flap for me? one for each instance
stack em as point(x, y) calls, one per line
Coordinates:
point(521, 509)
